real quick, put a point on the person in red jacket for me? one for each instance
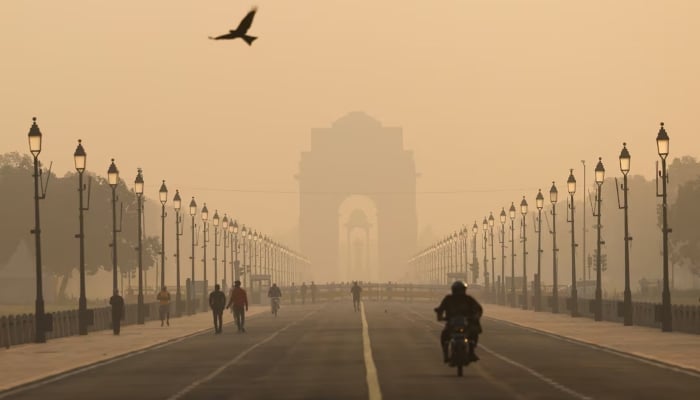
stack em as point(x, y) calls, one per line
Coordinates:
point(239, 300)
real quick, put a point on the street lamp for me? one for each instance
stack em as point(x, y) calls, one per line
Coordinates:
point(40, 323)
point(662, 144)
point(80, 159)
point(190, 291)
point(249, 268)
point(475, 261)
point(539, 203)
point(177, 206)
point(523, 212)
point(163, 196)
point(138, 189)
point(553, 198)
point(571, 186)
point(599, 178)
point(244, 238)
point(205, 231)
point(113, 180)
point(502, 240)
point(465, 253)
point(625, 169)
point(511, 214)
point(224, 231)
point(485, 226)
point(216, 221)
point(493, 259)
point(233, 229)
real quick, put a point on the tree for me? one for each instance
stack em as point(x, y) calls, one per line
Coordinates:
point(683, 216)
point(59, 221)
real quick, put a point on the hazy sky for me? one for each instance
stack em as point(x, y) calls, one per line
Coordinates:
point(495, 97)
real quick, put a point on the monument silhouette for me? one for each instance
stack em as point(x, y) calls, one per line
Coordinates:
point(357, 156)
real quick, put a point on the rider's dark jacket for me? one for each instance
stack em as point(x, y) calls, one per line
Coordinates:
point(456, 305)
point(274, 292)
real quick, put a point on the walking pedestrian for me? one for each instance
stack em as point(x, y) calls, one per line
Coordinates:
point(164, 307)
point(238, 300)
point(117, 303)
point(217, 302)
point(303, 292)
point(356, 290)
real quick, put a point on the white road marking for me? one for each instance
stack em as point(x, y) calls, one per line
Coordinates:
point(619, 353)
point(375, 392)
point(221, 369)
point(80, 370)
point(531, 371)
point(537, 375)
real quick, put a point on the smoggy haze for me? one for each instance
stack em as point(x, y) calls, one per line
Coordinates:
point(495, 97)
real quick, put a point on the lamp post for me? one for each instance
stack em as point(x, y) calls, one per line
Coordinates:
point(553, 198)
point(177, 205)
point(492, 222)
point(224, 231)
point(475, 261)
point(487, 277)
point(138, 189)
point(599, 178)
point(539, 203)
point(80, 158)
point(163, 196)
point(523, 213)
point(662, 145)
point(236, 263)
point(625, 169)
point(465, 253)
point(232, 233)
point(39, 318)
point(113, 179)
point(216, 222)
point(249, 268)
point(502, 240)
point(205, 239)
point(190, 291)
point(511, 215)
point(571, 187)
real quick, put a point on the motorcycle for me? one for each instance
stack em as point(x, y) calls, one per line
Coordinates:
point(275, 305)
point(459, 343)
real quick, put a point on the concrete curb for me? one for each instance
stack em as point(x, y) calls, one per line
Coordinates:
point(666, 364)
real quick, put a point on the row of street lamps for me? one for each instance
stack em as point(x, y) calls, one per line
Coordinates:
point(436, 264)
point(279, 261)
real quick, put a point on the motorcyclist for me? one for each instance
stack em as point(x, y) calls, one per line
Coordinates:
point(460, 304)
point(274, 293)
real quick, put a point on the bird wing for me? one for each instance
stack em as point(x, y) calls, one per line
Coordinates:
point(247, 21)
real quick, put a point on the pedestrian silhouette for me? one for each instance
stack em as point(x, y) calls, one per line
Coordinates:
point(163, 298)
point(217, 302)
point(239, 300)
point(242, 30)
point(117, 303)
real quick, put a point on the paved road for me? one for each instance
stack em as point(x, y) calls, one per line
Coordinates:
point(316, 352)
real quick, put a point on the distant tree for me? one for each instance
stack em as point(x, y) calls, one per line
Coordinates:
point(683, 219)
point(16, 213)
point(59, 221)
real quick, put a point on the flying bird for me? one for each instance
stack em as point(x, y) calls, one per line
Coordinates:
point(242, 30)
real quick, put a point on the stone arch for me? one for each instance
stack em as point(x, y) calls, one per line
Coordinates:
point(357, 156)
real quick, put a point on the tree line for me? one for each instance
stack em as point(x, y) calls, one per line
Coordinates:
point(59, 222)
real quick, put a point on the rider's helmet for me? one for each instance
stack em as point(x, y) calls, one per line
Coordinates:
point(458, 287)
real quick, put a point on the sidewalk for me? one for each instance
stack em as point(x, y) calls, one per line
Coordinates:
point(31, 362)
point(676, 349)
